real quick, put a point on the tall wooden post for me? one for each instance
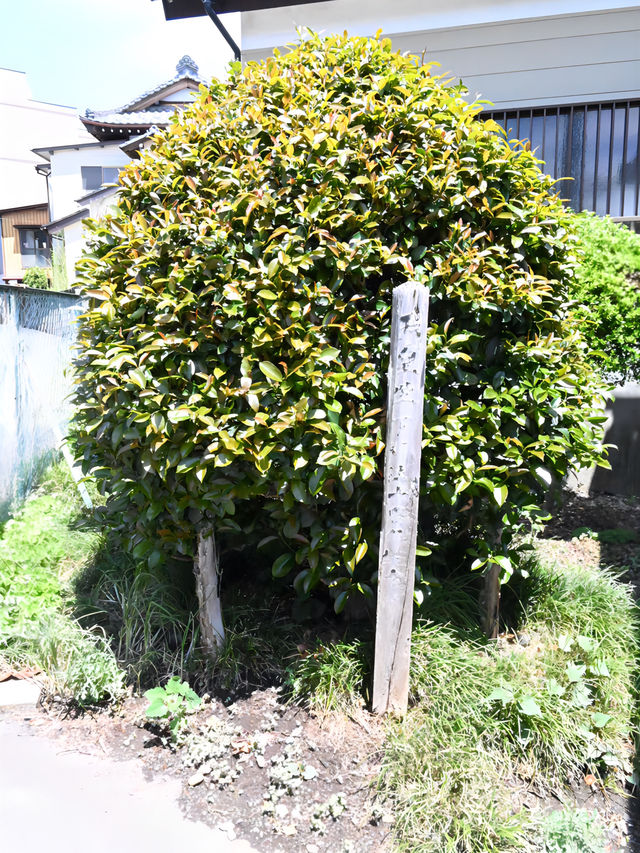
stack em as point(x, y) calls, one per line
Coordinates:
point(403, 449)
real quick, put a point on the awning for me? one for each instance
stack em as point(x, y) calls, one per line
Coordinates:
point(193, 8)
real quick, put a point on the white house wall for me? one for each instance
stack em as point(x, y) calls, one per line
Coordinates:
point(75, 233)
point(182, 96)
point(26, 124)
point(74, 246)
point(65, 182)
point(512, 53)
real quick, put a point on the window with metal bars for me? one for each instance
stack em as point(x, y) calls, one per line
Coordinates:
point(597, 146)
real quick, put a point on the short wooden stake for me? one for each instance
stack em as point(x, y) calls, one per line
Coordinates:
point(403, 450)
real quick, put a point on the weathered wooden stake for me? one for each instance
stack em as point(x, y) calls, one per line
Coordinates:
point(403, 449)
point(207, 573)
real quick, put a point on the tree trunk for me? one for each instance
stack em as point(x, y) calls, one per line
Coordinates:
point(207, 572)
point(490, 602)
point(490, 595)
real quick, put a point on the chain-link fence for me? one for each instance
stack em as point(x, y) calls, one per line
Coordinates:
point(37, 333)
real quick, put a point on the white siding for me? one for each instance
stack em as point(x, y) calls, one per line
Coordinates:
point(73, 249)
point(576, 52)
point(65, 182)
point(75, 234)
point(26, 124)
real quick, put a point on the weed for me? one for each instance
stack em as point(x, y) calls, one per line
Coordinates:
point(287, 775)
point(570, 831)
point(615, 536)
point(78, 663)
point(334, 808)
point(151, 625)
point(171, 704)
point(260, 637)
point(444, 765)
point(209, 750)
point(56, 559)
point(40, 550)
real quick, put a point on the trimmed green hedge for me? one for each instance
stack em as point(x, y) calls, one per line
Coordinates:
point(233, 373)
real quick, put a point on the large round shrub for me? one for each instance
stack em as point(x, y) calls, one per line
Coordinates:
point(233, 375)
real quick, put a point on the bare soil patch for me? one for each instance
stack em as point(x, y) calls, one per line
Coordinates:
point(280, 778)
point(599, 530)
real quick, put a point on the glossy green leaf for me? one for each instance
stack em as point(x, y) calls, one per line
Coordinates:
point(282, 566)
point(271, 371)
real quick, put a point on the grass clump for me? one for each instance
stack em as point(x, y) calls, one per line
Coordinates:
point(41, 549)
point(551, 700)
point(443, 766)
point(90, 616)
point(334, 676)
point(150, 620)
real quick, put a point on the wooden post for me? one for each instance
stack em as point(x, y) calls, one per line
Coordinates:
point(403, 450)
point(207, 572)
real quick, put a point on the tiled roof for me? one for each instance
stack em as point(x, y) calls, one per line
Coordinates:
point(134, 119)
point(187, 71)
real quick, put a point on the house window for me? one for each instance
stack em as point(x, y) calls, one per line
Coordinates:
point(34, 247)
point(597, 145)
point(93, 177)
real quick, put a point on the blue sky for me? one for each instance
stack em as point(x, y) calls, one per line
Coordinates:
point(102, 53)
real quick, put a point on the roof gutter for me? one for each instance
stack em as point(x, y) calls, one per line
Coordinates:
point(226, 35)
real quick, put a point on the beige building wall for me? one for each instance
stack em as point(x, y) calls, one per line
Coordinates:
point(9, 222)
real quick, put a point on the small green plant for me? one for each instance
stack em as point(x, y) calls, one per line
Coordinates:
point(573, 831)
point(36, 277)
point(171, 704)
point(615, 536)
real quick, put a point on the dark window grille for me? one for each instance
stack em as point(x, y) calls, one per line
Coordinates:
point(595, 145)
